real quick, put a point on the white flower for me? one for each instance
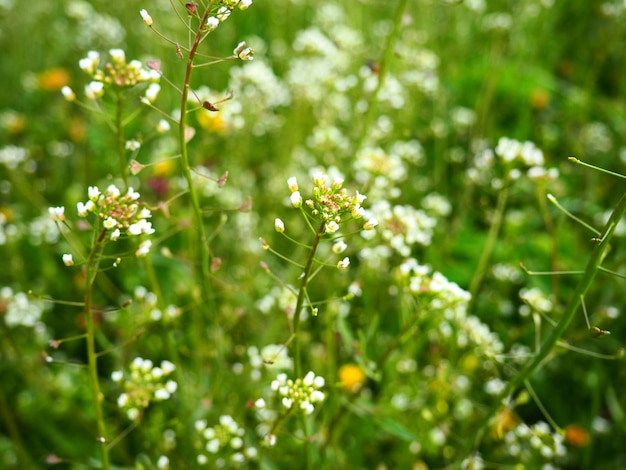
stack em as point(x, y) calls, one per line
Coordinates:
point(331, 227)
point(112, 191)
point(244, 4)
point(68, 93)
point(144, 248)
point(93, 192)
point(339, 247)
point(343, 264)
point(110, 222)
point(68, 259)
point(370, 224)
point(279, 225)
point(293, 184)
point(115, 234)
point(118, 55)
point(163, 126)
point(57, 213)
point(94, 90)
point(152, 92)
point(212, 23)
point(147, 19)
point(296, 199)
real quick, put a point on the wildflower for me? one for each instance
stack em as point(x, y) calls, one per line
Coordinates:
point(293, 184)
point(351, 377)
point(244, 4)
point(163, 126)
point(132, 145)
point(370, 224)
point(331, 227)
point(343, 264)
point(223, 13)
point(68, 260)
point(152, 92)
point(339, 247)
point(147, 19)
point(68, 93)
point(576, 436)
point(144, 248)
point(243, 52)
point(279, 225)
point(212, 23)
point(94, 90)
point(299, 394)
point(296, 199)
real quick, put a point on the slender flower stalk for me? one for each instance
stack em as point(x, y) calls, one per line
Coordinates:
point(186, 167)
point(93, 264)
point(593, 266)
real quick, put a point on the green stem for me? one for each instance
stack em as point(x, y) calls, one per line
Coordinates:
point(384, 67)
point(492, 237)
point(186, 168)
point(92, 269)
point(119, 130)
point(301, 297)
point(551, 341)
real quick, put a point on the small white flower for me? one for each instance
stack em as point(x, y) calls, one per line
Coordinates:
point(68, 259)
point(118, 55)
point(293, 184)
point(370, 224)
point(212, 23)
point(152, 92)
point(260, 403)
point(343, 264)
point(163, 463)
point(279, 225)
point(147, 19)
point(223, 13)
point(109, 223)
point(93, 192)
point(68, 93)
point(57, 213)
point(144, 248)
point(296, 199)
point(244, 4)
point(331, 227)
point(132, 145)
point(115, 234)
point(94, 90)
point(339, 247)
point(113, 191)
point(163, 126)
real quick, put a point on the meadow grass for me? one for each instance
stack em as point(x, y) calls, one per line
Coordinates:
point(297, 234)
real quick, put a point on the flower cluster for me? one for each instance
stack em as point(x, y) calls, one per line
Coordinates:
point(299, 394)
point(534, 444)
point(144, 383)
point(227, 437)
point(331, 202)
point(117, 211)
point(117, 73)
point(18, 309)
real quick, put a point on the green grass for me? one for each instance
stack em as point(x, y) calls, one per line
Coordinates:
point(408, 103)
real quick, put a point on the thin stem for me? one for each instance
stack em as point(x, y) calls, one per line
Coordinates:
point(572, 307)
point(92, 356)
point(186, 168)
point(119, 131)
point(492, 237)
point(302, 296)
point(384, 67)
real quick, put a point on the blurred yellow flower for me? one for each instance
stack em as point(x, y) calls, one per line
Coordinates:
point(53, 79)
point(351, 377)
point(212, 121)
point(576, 436)
point(164, 167)
point(504, 422)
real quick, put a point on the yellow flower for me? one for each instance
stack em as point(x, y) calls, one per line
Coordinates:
point(576, 436)
point(212, 121)
point(351, 377)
